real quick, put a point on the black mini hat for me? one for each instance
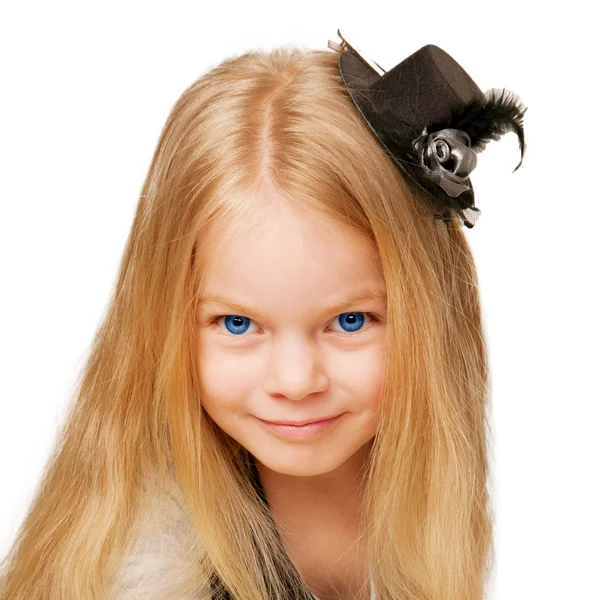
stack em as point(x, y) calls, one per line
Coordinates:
point(432, 118)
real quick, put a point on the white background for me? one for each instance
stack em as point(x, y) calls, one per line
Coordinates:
point(86, 88)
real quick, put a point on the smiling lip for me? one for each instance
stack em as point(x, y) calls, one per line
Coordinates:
point(303, 432)
point(299, 423)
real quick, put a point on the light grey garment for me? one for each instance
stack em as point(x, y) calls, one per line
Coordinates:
point(373, 593)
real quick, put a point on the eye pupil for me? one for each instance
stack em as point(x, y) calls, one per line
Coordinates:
point(236, 324)
point(353, 320)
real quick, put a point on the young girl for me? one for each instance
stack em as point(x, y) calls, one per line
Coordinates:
point(281, 269)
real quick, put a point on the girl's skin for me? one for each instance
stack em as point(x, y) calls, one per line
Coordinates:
point(289, 358)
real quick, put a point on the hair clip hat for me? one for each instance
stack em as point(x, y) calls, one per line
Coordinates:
point(433, 119)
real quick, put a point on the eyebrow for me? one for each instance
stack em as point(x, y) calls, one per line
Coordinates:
point(362, 296)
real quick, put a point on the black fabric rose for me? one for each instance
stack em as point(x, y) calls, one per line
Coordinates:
point(448, 157)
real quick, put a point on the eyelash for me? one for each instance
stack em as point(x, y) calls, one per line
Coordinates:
point(374, 319)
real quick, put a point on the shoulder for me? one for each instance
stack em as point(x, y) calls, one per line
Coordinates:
point(158, 558)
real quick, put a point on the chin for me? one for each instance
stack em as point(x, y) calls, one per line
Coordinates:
point(299, 470)
point(303, 461)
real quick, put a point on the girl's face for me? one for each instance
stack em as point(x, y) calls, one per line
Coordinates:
point(281, 344)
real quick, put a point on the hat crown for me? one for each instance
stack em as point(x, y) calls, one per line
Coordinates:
point(423, 89)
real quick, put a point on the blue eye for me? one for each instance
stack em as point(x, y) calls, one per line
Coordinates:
point(351, 322)
point(236, 324)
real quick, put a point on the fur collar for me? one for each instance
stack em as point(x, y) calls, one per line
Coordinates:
point(157, 559)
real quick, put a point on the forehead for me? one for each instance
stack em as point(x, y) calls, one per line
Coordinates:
point(286, 259)
point(286, 243)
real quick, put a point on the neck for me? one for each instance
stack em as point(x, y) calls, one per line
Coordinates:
point(318, 519)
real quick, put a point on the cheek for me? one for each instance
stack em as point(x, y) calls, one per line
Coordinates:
point(365, 376)
point(226, 380)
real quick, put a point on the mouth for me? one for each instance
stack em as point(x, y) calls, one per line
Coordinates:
point(305, 431)
point(301, 423)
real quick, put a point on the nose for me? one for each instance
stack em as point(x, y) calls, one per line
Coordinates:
point(295, 369)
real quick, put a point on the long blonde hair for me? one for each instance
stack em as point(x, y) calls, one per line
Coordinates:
point(279, 120)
